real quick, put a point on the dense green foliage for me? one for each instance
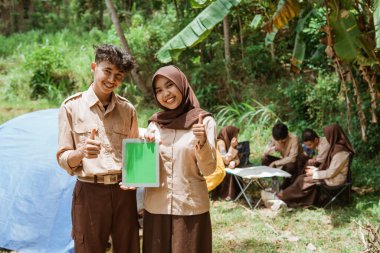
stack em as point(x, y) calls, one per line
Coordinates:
point(51, 61)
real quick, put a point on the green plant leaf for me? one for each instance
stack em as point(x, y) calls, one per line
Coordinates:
point(196, 31)
point(269, 37)
point(347, 35)
point(199, 3)
point(376, 20)
point(299, 45)
point(256, 22)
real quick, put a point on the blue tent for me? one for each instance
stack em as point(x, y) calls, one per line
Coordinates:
point(35, 193)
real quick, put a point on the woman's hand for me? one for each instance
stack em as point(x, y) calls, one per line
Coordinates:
point(309, 170)
point(234, 142)
point(232, 165)
point(199, 132)
point(150, 136)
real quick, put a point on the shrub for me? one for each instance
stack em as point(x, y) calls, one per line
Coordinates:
point(50, 78)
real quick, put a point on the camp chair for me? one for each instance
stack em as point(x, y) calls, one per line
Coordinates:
point(327, 195)
point(243, 151)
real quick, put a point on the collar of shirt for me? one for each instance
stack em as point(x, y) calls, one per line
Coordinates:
point(92, 99)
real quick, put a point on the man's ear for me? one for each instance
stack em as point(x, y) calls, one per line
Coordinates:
point(93, 66)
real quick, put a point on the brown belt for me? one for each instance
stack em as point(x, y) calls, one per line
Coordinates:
point(102, 179)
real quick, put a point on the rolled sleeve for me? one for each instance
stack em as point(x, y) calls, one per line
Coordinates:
point(63, 161)
point(65, 140)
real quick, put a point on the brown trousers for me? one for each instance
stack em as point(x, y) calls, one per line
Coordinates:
point(295, 169)
point(99, 211)
point(165, 233)
point(303, 192)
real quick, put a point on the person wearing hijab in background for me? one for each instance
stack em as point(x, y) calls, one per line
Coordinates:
point(176, 216)
point(227, 142)
point(333, 171)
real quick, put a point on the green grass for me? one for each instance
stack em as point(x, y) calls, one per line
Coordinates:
point(239, 229)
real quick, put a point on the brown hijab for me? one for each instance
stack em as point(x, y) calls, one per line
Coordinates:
point(227, 133)
point(338, 142)
point(187, 113)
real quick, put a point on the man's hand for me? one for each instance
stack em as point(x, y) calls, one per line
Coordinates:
point(126, 188)
point(91, 148)
point(199, 132)
point(311, 161)
point(273, 165)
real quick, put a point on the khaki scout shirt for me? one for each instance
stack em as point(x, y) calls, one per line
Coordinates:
point(81, 113)
point(291, 149)
point(336, 173)
point(183, 189)
point(322, 149)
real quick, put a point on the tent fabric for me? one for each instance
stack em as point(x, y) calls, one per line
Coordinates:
point(35, 193)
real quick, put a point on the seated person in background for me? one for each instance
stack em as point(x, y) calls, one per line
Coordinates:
point(333, 172)
point(227, 141)
point(292, 159)
point(319, 144)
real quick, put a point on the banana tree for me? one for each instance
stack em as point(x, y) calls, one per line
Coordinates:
point(197, 30)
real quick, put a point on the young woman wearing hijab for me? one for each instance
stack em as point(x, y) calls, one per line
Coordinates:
point(227, 144)
point(176, 216)
point(333, 171)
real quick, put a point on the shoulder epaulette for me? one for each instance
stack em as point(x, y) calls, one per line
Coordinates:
point(73, 97)
point(122, 98)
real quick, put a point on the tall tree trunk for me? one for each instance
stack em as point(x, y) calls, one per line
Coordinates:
point(359, 105)
point(344, 88)
point(135, 72)
point(177, 9)
point(241, 38)
point(100, 18)
point(227, 52)
point(372, 90)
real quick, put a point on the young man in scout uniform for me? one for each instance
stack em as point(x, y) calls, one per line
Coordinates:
point(92, 125)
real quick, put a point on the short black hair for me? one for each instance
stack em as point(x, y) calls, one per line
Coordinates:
point(309, 135)
point(280, 131)
point(117, 56)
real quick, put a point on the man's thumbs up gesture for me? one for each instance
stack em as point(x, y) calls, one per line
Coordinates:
point(199, 132)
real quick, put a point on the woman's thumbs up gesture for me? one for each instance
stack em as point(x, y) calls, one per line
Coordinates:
point(199, 132)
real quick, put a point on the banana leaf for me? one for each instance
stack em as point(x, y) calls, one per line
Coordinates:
point(269, 37)
point(299, 45)
point(199, 3)
point(196, 31)
point(256, 22)
point(376, 20)
point(298, 54)
point(286, 10)
point(347, 35)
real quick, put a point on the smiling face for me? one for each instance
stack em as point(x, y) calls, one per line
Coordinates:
point(107, 77)
point(167, 93)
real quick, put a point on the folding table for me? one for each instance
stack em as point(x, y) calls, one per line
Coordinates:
point(253, 174)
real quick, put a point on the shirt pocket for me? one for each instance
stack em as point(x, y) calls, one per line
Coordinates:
point(118, 134)
point(81, 133)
